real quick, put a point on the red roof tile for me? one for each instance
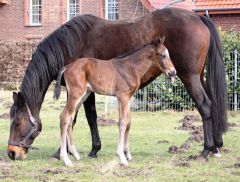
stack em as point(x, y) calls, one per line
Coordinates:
point(157, 4)
point(193, 4)
point(216, 4)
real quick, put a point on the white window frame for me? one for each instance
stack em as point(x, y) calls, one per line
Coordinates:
point(31, 15)
point(68, 9)
point(115, 8)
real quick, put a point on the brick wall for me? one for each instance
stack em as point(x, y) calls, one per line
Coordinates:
point(14, 19)
point(227, 22)
point(131, 9)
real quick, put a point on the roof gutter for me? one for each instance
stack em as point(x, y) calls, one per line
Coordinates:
point(216, 9)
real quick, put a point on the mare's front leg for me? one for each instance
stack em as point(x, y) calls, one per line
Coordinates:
point(91, 114)
point(123, 123)
point(197, 93)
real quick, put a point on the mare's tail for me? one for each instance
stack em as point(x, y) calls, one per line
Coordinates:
point(57, 89)
point(216, 80)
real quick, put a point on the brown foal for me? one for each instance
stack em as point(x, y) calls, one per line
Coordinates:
point(120, 77)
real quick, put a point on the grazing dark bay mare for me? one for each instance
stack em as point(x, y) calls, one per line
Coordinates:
point(190, 39)
point(120, 77)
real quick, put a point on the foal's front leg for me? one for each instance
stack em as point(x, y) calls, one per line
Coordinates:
point(123, 122)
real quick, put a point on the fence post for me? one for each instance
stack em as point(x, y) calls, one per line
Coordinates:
point(235, 80)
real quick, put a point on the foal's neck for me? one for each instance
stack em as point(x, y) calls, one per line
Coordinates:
point(142, 60)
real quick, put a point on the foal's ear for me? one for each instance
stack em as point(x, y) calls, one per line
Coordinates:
point(162, 39)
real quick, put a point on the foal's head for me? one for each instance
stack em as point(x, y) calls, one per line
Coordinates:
point(161, 57)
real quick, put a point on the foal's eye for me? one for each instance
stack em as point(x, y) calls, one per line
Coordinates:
point(163, 55)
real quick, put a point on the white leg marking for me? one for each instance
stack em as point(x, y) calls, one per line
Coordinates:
point(63, 153)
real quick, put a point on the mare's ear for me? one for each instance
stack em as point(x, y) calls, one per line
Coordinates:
point(20, 99)
point(162, 39)
point(15, 97)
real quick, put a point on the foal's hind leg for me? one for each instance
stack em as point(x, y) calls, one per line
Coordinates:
point(66, 118)
point(196, 91)
point(71, 147)
point(126, 142)
point(123, 122)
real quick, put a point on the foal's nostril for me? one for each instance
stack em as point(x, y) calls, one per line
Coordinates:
point(11, 155)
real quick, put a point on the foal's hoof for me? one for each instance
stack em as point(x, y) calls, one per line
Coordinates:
point(124, 163)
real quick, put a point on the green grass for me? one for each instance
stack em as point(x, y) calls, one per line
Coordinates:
point(151, 159)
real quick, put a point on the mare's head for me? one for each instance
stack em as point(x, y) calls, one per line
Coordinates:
point(162, 58)
point(24, 128)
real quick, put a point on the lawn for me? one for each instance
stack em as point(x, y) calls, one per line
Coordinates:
point(151, 136)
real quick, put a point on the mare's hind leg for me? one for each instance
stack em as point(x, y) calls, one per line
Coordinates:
point(217, 137)
point(196, 91)
point(91, 114)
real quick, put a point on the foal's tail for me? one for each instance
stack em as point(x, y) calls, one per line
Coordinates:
point(216, 80)
point(57, 89)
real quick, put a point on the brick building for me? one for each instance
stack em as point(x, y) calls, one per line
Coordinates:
point(34, 19)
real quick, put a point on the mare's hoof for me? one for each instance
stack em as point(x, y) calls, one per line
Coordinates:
point(92, 155)
point(216, 154)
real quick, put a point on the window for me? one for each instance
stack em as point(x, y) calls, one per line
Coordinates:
point(72, 8)
point(111, 9)
point(35, 12)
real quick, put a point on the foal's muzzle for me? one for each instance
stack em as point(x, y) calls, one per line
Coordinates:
point(172, 74)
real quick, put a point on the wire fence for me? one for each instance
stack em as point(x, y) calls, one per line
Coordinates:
point(162, 95)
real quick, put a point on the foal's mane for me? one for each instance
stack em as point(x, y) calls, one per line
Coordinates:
point(134, 50)
point(50, 55)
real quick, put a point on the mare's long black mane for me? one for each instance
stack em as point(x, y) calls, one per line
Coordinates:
point(50, 55)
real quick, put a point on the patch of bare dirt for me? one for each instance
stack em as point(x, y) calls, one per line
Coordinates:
point(188, 122)
point(183, 148)
point(5, 116)
point(106, 122)
point(109, 167)
point(60, 171)
point(146, 172)
point(181, 163)
point(196, 133)
point(237, 164)
point(163, 141)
